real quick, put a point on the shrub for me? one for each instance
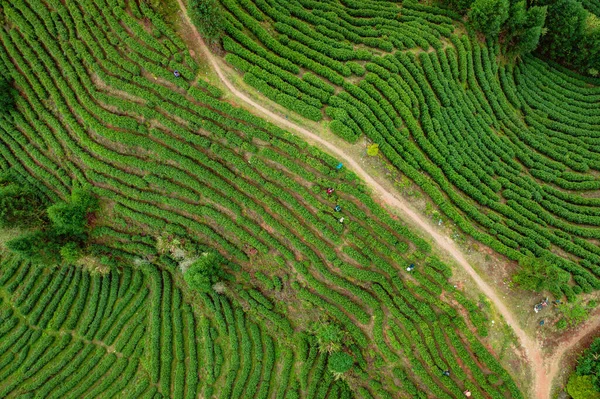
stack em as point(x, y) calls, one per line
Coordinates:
point(208, 17)
point(204, 272)
point(340, 362)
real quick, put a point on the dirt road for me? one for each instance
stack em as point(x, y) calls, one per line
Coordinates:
point(543, 368)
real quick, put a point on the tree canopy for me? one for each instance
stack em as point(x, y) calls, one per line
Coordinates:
point(584, 383)
point(340, 362)
point(488, 16)
point(207, 15)
point(63, 235)
point(204, 272)
point(72, 217)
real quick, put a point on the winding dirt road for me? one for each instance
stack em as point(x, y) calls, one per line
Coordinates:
point(543, 368)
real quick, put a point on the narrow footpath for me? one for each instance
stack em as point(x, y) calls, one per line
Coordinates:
point(543, 368)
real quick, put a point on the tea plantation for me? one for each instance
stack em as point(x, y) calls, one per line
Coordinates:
point(509, 151)
point(313, 298)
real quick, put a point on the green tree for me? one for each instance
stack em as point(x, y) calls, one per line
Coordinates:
point(70, 252)
point(66, 234)
point(537, 274)
point(41, 247)
point(204, 272)
point(208, 17)
point(71, 218)
point(488, 16)
point(339, 363)
point(582, 387)
point(524, 28)
point(573, 36)
point(588, 364)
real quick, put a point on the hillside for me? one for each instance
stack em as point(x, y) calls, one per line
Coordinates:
point(510, 153)
point(326, 284)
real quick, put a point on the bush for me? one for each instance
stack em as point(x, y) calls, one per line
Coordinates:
point(582, 387)
point(340, 362)
point(207, 15)
point(203, 273)
point(373, 150)
point(71, 218)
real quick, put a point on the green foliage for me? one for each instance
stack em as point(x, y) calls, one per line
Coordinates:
point(64, 237)
point(70, 252)
point(19, 205)
point(523, 28)
point(538, 275)
point(589, 362)
point(170, 156)
point(573, 36)
point(329, 337)
point(488, 16)
point(7, 99)
point(72, 217)
point(574, 313)
point(208, 17)
point(340, 362)
point(373, 150)
point(582, 387)
point(204, 272)
point(40, 246)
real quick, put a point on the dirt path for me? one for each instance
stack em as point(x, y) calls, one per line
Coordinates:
point(543, 368)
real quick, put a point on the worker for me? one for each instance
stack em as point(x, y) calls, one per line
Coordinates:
point(339, 166)
point(410, 268)
point(337, 208)
point(329, 190)
point(467, 393)
point(542, 322)
point(341, 220)
point(176, 73)
point(446, 373)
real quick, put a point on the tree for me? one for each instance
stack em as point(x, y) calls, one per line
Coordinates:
point(573, 36)
point(582, 387)
point(39, 246)
point(204, 272)
point(339, 363)
point(538, 274)
point(65, 237)
point(523, 29)
point(70, 252)
point(488, 16)
point(71, 218)
point(207, 15)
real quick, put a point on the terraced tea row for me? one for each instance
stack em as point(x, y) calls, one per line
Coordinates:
point(509, 154)
point(132, 333)
point(100, 104)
